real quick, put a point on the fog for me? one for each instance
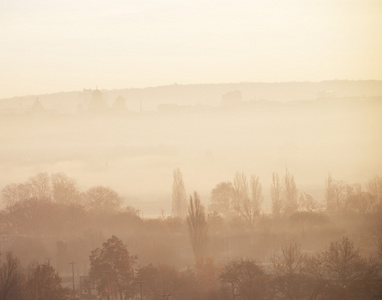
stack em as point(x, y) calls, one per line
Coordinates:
point(163, 150)
point(135, 152)
point(234, 188)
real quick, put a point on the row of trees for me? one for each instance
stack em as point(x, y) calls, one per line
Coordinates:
point(234, 224)
point(243, 197)
point(60, 189)
point(241, 200)
point(344, 198)
point(37, 281)
point(338, 272)
point(52, 204)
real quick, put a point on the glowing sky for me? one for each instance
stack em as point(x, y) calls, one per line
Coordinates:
point(51, 46)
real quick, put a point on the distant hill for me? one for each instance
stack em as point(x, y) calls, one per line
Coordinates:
point(204, 94)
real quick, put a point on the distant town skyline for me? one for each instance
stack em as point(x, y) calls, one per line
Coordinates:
point(65, 46)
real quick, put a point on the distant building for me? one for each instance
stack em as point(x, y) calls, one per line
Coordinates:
point(119, 103)
point(97, 104)
point(37, 107)
point(232, 98)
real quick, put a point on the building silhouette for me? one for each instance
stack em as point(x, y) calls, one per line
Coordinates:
point(97, 104)
point(119, 104)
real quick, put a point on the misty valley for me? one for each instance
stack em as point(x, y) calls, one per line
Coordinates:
point(193, 192)
point(190, 150)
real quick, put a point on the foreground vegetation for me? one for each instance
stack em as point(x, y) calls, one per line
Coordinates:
point(339, 272)
point(302, 249)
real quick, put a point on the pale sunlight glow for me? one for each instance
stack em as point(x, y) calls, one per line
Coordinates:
point(50, 46)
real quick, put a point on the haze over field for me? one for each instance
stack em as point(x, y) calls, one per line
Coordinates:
point(135, 152)
point(177, 149)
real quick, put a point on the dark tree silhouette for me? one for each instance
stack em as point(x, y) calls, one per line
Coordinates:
point(43, 282)
point(158, 280)
point(31, 215)
point(289, 277)
point(111, 268)
point(246, 280)
point(374, 187)
point(197, 226)
point(11, 278)
point(347, 270)
point(102, 199)
point(276, 195)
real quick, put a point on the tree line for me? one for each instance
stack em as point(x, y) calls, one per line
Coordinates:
point(255, 253)
point(338, 272)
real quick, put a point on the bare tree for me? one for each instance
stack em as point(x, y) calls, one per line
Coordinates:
point(276, 195)
point(246, 280)
point(343, 198)
point(41, 187)
point(344, 262)
point(290, 194)
point(342, 273)
point(64, 189)
point(11, 278)
point(360, 203)
point(374, 187)
point(221, 198)
point(290, 279)
point(13, 193)
point(102, 199)
point(37, 187)
point(256, 195)
point(197, 226)
point(378, 243)
point(43, 282)
point(241, 201)
point(307, 202)
point(57, 187)
point(111, 268)
point(247, 198)
point(179, 204)
point(335, 195)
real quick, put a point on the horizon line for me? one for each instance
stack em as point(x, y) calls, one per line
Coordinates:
point(186, 84)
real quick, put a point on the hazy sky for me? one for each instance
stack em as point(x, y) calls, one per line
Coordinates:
point(50, 46)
